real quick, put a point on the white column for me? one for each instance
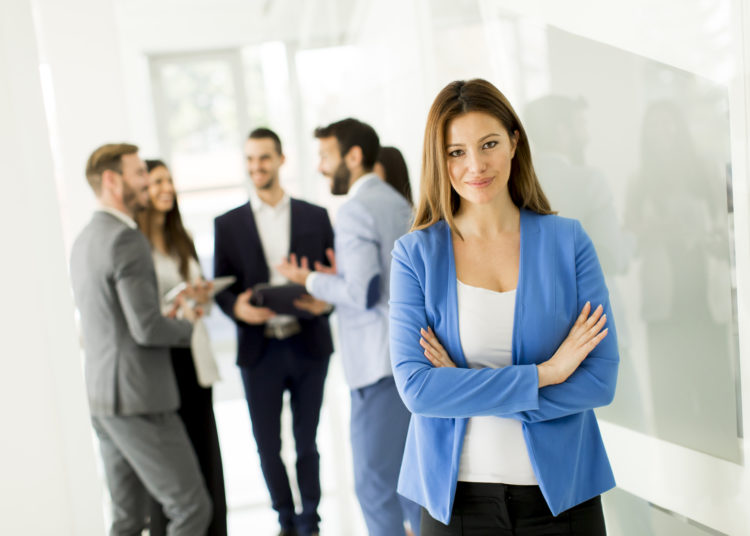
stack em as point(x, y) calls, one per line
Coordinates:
point(49, 482)
point(79, 43)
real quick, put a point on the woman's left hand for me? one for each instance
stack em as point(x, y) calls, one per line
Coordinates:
point(200, 291)
point(433, 350)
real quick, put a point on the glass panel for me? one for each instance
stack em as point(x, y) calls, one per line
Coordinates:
point(626, 515)
point(202, 122)
point(641, 158)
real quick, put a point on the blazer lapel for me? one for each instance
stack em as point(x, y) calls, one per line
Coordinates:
point(254, 249)
point(295, 224)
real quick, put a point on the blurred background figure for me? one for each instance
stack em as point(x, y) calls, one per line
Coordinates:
point(371, 219)
point(677, 213)
point(176, 262)
point(391, 167)
point(133, 394)
point(277, 353)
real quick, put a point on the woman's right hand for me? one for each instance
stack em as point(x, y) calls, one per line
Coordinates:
point(583, 337)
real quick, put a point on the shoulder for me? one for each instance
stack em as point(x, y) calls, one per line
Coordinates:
point(231, 215)
point(308, 208)
point(424, 243)
point(562, 227)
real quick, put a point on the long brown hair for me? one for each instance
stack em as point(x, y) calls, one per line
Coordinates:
point(437, 198)
point(176, 238)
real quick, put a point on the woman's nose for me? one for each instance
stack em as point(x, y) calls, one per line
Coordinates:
point(476, 162)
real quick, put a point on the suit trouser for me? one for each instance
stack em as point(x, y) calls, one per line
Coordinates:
point(197, 414)
point(379, 423)
point(151, 455)
point(285, 365)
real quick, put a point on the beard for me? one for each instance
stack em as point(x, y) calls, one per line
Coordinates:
point(340, 180)
point(268, 184)
point(131, 199)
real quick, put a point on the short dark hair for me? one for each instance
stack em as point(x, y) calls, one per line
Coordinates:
point(263, 133)
point(106, 157)
point(350, 132)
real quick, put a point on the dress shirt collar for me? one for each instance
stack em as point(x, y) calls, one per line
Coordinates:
point(127, 220)
point(256, 203)
point(357, 186)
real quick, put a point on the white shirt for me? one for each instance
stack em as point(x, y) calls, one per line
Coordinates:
point(494, 448)
point(127, 220)
point(274, 226)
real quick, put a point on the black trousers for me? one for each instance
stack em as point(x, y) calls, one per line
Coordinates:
point(286, 366)
point(197, 413)
point(500, 509)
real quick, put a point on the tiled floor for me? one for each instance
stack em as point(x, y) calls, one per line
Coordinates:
point(250, 512)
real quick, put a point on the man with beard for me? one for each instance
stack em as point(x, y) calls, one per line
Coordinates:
point(367, 225)
point(277, 352)
point(129, 377)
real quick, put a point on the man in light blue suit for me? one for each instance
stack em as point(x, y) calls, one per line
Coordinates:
point(373, 217)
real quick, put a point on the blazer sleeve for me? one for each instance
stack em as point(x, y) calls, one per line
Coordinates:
point(135, 283)
point(357, 283)
point(446, 392)
point(222, 267)
point(593, 383)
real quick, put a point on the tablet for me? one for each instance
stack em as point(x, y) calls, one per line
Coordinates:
point(220, 283)
point(279, 298)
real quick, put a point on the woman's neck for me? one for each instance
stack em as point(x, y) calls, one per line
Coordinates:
point(156, 231)
point(488, 220)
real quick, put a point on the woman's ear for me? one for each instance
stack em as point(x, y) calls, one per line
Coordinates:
point(514, 142)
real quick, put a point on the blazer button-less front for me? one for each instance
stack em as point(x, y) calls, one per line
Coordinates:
point(559, 272)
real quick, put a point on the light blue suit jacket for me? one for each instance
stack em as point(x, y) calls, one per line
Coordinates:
point(559, 272)
point(366, 227)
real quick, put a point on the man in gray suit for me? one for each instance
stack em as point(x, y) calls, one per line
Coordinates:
point(129, 378)
point(374, 216)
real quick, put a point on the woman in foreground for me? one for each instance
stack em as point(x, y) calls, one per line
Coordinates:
point(502, 340)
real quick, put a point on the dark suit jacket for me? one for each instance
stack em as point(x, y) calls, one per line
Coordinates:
point(238, 252)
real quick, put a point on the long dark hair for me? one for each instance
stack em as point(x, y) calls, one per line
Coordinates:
point(176, 238)
point(396, 173)
point(437, 198)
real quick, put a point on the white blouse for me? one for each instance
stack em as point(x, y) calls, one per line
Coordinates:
point(167, 277)
point(494, 448)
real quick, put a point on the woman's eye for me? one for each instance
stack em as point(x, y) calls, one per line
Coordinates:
point(457, 152)
point(489, 145)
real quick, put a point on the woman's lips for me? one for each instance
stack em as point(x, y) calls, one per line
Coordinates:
point(479, 183)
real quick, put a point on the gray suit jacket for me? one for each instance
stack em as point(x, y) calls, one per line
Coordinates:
point(125, 336)
point(366, 227)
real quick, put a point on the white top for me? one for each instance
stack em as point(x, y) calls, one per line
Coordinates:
point(494, 447)
point(167, 277)
point(274, 226)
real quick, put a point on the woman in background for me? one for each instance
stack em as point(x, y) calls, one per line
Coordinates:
point(391, 167)
point(511, 304)
point(176, 262)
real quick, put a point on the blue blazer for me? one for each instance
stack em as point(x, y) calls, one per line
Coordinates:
point(238, 251)
point(559, 272)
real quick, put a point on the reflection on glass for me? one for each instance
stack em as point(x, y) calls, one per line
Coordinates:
point(641, 159)
point(626, 515)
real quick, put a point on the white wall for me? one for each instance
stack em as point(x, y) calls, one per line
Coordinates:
point(49, 483)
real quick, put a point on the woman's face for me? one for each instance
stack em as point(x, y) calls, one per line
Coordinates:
point(479, 153)
point(161, 189)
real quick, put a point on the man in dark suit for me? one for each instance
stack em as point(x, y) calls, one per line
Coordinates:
point(277, 352)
